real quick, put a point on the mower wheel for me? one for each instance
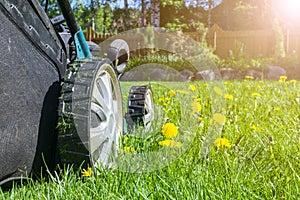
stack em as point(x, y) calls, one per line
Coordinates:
point(91, 120)
point(140, 107)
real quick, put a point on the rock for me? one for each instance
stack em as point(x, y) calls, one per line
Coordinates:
point(274, 72)
point(230, 74)
point(187, 74)
point(256, 74)
point(207, 75)
point(152, 72)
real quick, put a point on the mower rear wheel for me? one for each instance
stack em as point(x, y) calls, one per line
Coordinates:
point(91, 115)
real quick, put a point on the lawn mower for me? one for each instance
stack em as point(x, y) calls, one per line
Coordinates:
point(59, 103)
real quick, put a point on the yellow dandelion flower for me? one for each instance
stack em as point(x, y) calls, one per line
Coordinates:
point(249, 77)
point(277, 108)
point(196, 107)
point(228, 96)
point(258, 87)
point(129, 149)
point(218, 90)
point(169, 143)
point(192, 87)
point(283, 78)
point(172, 93)
point(219, 118)
point(222, 142)
point(161, 99)
point(87, 173)
point(169, 130)
point(126, 138)
point(196, 98)
point(183, 91)
point(293, 81)
point(256, 128)
point(223, 110)
point(255, 94)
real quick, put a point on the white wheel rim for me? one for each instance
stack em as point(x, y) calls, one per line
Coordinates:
point(106, 120)
point(149, 110)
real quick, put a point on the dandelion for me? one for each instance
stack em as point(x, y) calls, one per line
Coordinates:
point(129, 149)
point(282, 78)
point(161, 99)
point(218, 90)
point(87, 173)
point(169, 130)
point(219, 118)
point(255, 94)
point(168, 99)
point(249, 77)
point(192, 87)
point(222, 142)
point(196, 98)
point(196, 107)
point(183, 91)
point(228, 96)
point(293, 81)
point(200, 119)
point(259, 87)
point(277, 108)
point(223, 110)
point(169, 143)
point(172, 93)
point(256, 128)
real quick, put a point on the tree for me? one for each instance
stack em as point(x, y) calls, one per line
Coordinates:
point(51, 8)
point(155, 13)
point(143, 13)
point(103, 19)
point(244, 14)
point(127, 16)
point(82, 14)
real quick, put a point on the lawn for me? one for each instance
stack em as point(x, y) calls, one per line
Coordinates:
point(209, 140)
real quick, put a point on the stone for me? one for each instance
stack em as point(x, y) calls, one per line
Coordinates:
point(274, 72)
point(187, 74)
point(207, 75)
point(230, 74)
point(256, 74)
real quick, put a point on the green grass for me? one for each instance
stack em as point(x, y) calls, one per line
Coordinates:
point(262, 162)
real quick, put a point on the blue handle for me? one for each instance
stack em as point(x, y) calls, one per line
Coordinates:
point(82, 47)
